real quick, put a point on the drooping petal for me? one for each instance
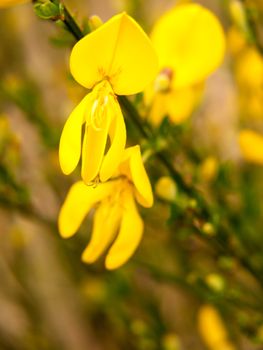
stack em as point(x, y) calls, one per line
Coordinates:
point(118, 140)
point(78, 203)
point(140, 178)
point(129, 237)
point(70, 141)
point(93, 149)
point(189, 39)
point(106, 221)
point(120, 51)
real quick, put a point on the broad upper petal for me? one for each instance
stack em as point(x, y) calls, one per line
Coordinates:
point(120, 51)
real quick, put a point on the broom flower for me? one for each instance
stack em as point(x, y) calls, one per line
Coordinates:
point(115, 59)
point(116, 219)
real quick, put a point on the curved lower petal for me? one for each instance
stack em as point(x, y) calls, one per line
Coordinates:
point(129, 237)
point(140, 178)
point(118, 140)
point(93, 149)
point(70, 140)
point(106, 221)
point(79, 201)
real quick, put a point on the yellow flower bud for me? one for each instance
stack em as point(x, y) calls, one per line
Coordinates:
point(95, 22)
point(238, 14)
point(208, 229)
point(166, 188)
point(215, 282)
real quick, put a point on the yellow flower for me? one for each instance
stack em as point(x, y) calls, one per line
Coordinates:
point(251, 146)
point(188, 53)
point(115, 209)
point(212, 329)
point(117, 58)
point(185, 44)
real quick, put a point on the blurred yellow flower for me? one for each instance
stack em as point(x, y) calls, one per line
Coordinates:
point(185, 44)
point(212, 329)
point(107, 62)
point(188, 52)
point(249, 69)
point(115, 208)
point(251, 146)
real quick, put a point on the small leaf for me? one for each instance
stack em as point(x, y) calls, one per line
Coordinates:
point(47, 10)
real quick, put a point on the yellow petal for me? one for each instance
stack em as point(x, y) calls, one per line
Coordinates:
point(189, 39)
point(70, 141)
point(251, 146)
point(140, 178)
point(93, 149)
point(118, 141)
point(111, 52)
point(78, 203)
point(106, 221)
point(129, 236)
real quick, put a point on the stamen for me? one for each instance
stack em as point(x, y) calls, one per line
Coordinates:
point(102, 96)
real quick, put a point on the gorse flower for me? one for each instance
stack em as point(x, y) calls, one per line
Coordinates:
point(115, 209)
point(190, 45)
point(115, 59)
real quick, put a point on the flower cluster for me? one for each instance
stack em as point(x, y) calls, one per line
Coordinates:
point(119, 59)
point(116, 59)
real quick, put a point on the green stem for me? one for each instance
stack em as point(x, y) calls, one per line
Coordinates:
point(71, 24)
